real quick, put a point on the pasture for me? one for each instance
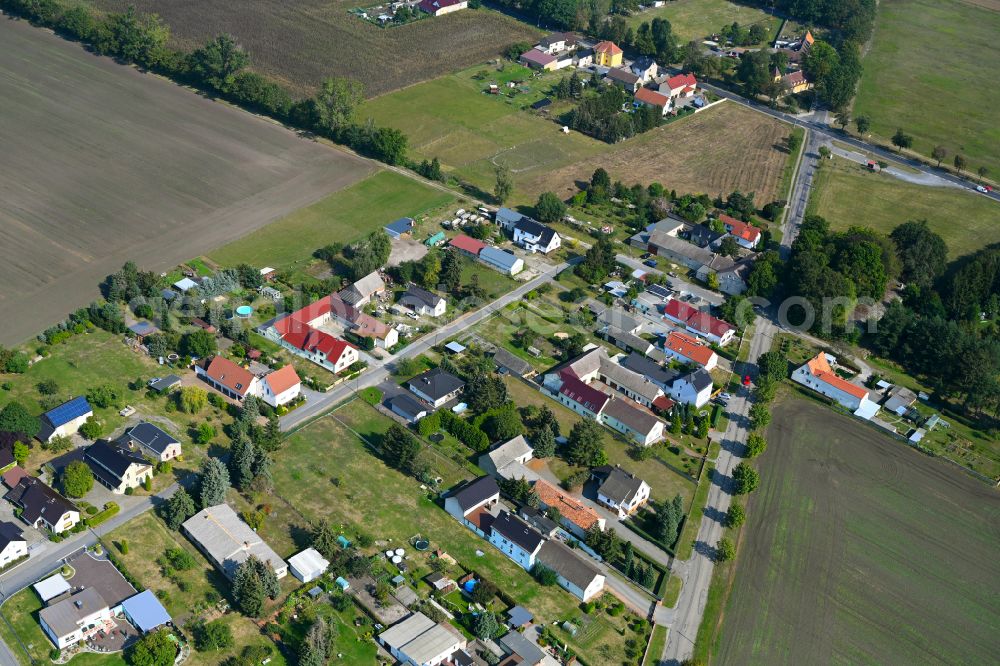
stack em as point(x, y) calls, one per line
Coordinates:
point(718, 150)
point(925, 73)
point(847, 194)
point(858, 549)
point(103, 164)
point(301, 42)
point(697, 19)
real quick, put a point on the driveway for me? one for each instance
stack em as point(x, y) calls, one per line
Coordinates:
point(675, 283)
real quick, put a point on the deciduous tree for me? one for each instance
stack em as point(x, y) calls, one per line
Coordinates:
point(77, 479)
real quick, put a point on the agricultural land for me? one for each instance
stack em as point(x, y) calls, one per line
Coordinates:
point(847, 194)
point(697, 19)
point(861, 550)
point(103, 164)
point(924, 74)
point(301, 42)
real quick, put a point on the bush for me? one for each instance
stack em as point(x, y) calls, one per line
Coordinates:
point(91, 429)
point(110, 509)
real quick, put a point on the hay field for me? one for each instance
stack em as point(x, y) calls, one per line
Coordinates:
point(102, 164)
point(860, 550)
point(697, 19)
point(303, 41)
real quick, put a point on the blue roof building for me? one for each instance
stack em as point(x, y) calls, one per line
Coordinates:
point(400, 227)
point(145, 611)
point(65, 419)
point(498, 260)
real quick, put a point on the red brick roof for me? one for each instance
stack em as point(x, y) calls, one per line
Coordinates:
point(689, 347)
point(569, 507)
point(577, 391)
point(741, 229)
point(470, 245)
point(312, 340)
point(696, 319)
point(651, 97)
point(431, 6)
point(821, 370)
point(682, 81)
point(607, 47)
point(230, 375)
point(283, 379)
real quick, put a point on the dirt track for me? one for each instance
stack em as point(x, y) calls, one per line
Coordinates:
point(101, 163)
point(861, 550)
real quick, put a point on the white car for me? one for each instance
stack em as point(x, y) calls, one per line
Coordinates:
point(983, 189)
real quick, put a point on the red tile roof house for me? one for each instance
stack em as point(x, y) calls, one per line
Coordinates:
point(652, 98)
point(688, 349)
point(698, 322)
point(745, 234)
point(280, 387)
point(467, 244)
point(818, 375)
point(228, 378)
point(296, 332)
point(442, 7)
point(679, 86)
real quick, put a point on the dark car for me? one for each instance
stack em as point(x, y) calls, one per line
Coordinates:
point(650, 262)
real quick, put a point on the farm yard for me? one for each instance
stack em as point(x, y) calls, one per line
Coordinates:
point(697, 19)
point(924, 74)
point(300, 42)
point(858, 549)
point(847, 194)
point(103, 164)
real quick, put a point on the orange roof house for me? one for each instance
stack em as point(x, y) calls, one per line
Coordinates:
point(688, 349)
point(745, 234)
point(652, 98)
point(818, 375)
point(576, 516)
point(607, 54)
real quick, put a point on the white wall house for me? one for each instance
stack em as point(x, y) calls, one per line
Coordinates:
point(65, 420)
point(573, 573)
point(280, 387)
point(75, 618)
point(13, 545)
point(470, 502)
point(516, 539)
point(819, 375)
point(693, 389)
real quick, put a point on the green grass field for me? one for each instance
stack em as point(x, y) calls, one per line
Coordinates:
point(927, 73)
point(847, 194)
point(858, 549)
point(697, 19)
point(342, 217)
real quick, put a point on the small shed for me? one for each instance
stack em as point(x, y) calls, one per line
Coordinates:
point(435, 239)
point(342, 584)
point(308, 565)
point(184, 285)
point(143, 329)
point(51, 587)
point(455, 347)
point(145, 611)
point(518, 617)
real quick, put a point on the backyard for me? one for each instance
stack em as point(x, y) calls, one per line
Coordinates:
point(924, 74)
point(850, 539)
point(847, 194)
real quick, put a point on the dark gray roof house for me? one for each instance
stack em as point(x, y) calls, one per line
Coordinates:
point(513, 364)
point(651, 369)
point(38, 502)
point(405, 406)
point(435, 385)
point(476, 492)
point(517, 531)
point(9, 532)
point(111, 462)
point(616, 484)
point(149, 437)
point(702, 236)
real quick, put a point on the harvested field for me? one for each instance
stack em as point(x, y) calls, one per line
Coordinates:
point(698, 19)
point(715, 151)
point(103, 164)
point(303, 41)
point(860, 550)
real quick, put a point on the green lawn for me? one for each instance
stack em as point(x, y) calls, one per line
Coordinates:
point(930, 71)
point(689, 533)
point(342, 217)
point(657, 642)
point(327, 472)
point(697, 19)
point(847, 194)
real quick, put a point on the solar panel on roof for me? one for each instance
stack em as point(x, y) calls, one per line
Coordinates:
point(68, 411)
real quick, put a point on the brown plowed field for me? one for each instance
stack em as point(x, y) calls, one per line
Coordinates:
point(101, 163)
point(303, 41)
point(716, 151)
point(859, 550)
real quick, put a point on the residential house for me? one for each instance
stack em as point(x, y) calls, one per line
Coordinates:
point(227, 541)
point(362, 291)
point(661, 376)
point(732, 276)
point(538, 59)
point(42, 507)
point(442, 7)
point(654, 99)
point(13, 545)
point(65, 420)
point(792, 82)
point(228, 378)
point(607, 54)
point(528, 233)
point(501, 260)
point(423, 302)
point(635, 384)
point(152, 440)
point(574, 574)
point(467, 245)
point(299, 333)
point(515, 539)
point(419, 641)
point(645, 68)
point(436, 387)
point(626, 340)
point(308, 565)
point(702, 236)
point(624, 79)
point(620, 491)
point(557, 42)
point(520, 651)
point(401, 228)
point(618, 318)
point(508, 362)
point(574, 515)
point(693, 389)
point(537, 519)
point(899, 400)
point(698, 322)
point(678, 250)
point(116, 467)
point(508, 460)
point(688, 349)
point(818, 374)
point(406, 407)
point(639, 425)
point(281, 386)
point(583, 57)
point(581, 398)
point(679, 87)
point(474, 503)
point(746, 235)
point(76, 618)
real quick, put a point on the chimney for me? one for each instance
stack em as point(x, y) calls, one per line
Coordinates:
point(246, 545)
point(78, 603)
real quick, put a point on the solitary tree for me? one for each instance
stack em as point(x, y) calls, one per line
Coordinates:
point(725, 550)
point(549, 208)
point(77, 479)
point(504, 185)
point(982, 171)
point(901, 140)
point(960, 163)
point(486, 626)
point(15, 418)
point(154, 649)
point(939, 153)
point(863, 124)
point(219, 61)
point(843, 119)
point(214, 483)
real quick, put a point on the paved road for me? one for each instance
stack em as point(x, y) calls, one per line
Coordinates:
point(713, 297)
point(918, 178)
point(826, 134)
point(697, 572)
point(801, 187)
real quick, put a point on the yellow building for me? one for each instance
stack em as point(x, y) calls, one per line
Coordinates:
point(607, 54)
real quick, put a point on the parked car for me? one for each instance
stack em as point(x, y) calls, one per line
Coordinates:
point(650, 262)
point(725, 397)
point(647, 255)
point(985, 189)
point(672, 274)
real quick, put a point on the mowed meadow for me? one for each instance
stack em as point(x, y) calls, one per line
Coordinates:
point(300, 42)
point(860, 550)
point(720, 149)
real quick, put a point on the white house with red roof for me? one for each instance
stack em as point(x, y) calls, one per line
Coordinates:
point(700, 323)
point(298, 333)
point(649, 97)
point(280, 387)
point(679, 86)
point(228, 378)
point(688, 349)
point(818, 374)
point(746, 235)
point(442, 7)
